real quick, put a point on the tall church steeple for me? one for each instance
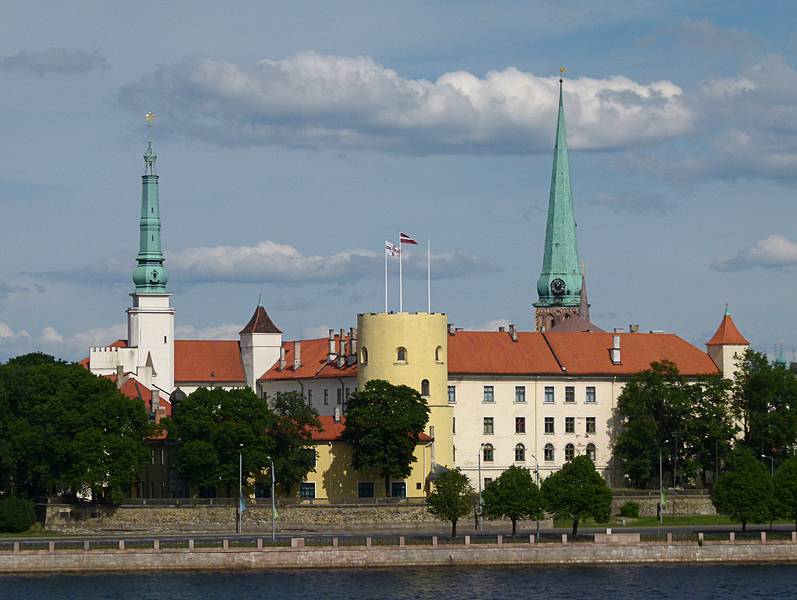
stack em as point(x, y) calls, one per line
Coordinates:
point(560, 282)
point(150, 275)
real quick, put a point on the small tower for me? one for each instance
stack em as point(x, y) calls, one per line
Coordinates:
point(727, 346)
point(150, 321)
point(560, 282)
point(260, 345)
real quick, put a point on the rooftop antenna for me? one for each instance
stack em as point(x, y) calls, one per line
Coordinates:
point(259, 300)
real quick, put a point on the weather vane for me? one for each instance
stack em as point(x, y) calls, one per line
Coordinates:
point(561, 73)
point(149, 155)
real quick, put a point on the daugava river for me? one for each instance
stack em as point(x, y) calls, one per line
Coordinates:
point(440, 583)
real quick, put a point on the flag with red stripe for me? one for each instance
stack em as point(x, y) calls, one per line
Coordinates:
point(405, 239)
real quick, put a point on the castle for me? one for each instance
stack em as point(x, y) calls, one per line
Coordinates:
point(497, 398)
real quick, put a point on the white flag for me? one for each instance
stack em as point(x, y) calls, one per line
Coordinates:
point(392, 249)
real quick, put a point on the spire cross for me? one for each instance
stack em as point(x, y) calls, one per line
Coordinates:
point(149, 155)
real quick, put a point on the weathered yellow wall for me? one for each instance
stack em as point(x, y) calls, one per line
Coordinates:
point(381, 334)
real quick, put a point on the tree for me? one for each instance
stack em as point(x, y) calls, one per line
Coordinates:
point(65, 431)
point(513, 495)
point(16, 514)
point(712, 428)
point(785, 489)
point(577, 491)
point(383, 426)
point(214, 426)
point(765, 401)
point(744, 490)
point(450, 500)
point(294, 456)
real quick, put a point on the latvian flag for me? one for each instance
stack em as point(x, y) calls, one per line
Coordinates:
point(405, 239)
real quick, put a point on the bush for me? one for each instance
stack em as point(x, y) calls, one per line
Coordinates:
point(630, 509)
point(16, 514)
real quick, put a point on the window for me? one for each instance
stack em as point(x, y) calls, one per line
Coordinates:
point(520, 393)
point(520, 453)
point(591, 452)
point(570, 424)
point(309, 397)
point(487, 481)
point(340, 395)
point(348, 394)
point(570, 393)
point(549, 393)
point(590, 424)
point(313, 456)
point(438, 354)
point(398, 489)
point(326, 396)
point(489, 393)
point(307, 490)
point(520, 424)
point(363, 355)
point(591, 398)
point(549, 425)
point(570, 452)
point(489, 426)
point(488, 453)
point(452, 394)
point(425, 387)
point(365, 489)
point(401, 354)
point(263, 490)
point(548, 453)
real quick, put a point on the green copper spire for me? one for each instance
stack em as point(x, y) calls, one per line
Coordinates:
point(560, 282)
point(150, 275)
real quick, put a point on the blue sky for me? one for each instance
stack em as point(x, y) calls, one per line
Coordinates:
point(292, 141)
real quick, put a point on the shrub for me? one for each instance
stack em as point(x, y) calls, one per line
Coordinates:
point(630, 509)
point(16, 514)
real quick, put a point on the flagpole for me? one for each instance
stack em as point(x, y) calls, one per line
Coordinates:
point(401, 282)
point(385, 279)
point(429, 276)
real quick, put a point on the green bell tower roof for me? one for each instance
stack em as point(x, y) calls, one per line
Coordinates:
point(560, 282)
point(150, 275)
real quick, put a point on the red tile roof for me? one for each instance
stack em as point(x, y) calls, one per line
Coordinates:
point(590, 353)
point(260, 323)
point(727, 334)
point(207, 361)
point(332, 431)
point(476, 352)
point(314, 364)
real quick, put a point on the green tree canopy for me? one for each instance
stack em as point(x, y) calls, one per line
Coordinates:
point(451, 498)
point(513, 495)
point(765, 400)
point(744, 490)
point(383, 426)
point(65, 431)
point(214, 426)
point(294, 454)
point(785, 488)
point(577, 491)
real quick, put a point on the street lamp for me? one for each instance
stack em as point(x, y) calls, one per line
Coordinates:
point(537, 473)
point(240, 523)
point(771, 464)
point(273, 506)
point(479, 522)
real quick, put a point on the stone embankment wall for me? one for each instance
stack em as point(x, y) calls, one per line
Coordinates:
point(677, 503)
point(38, 561)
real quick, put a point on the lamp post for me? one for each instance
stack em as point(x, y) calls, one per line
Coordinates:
point(537, 473)
point(481, 447)
point(771, 464)
point(675, 462)
point(240, 523)
point(273, 503)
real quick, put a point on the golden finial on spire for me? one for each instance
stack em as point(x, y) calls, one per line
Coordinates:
point(149, 117)
point(561, 73)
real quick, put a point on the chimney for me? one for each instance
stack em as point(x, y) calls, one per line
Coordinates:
point(618, 330)
point(282, 358)
point(616, 350)
point(331, 353)
point(336, 415)
point(297, 355)
point(501, 328)
point(450, 329)
point(120, 376)
point(352, 358)
point(154, 403)
point(513, 331)
point(633, 328)
point(342, 352)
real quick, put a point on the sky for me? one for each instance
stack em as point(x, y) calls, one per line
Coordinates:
point(293, 139)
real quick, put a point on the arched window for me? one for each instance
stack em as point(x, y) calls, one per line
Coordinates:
point(488, 453)
point(401, 354)
point(548, 452)
point(438, 354)
point(520, 453)
point(425, 387)
point(364, 356)
point(570, 452)
point(591, 452)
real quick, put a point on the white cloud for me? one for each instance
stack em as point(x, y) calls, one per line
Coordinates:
point(773, 252)
point(55, 60)
point(322, 101)
point(490, 325)
point(314, 332)
point(271, 262)
point(49, 334)
point(8, 334)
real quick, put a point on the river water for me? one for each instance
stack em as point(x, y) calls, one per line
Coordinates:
point(440, 583)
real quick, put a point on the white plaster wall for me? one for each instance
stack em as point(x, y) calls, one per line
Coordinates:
point(259, 352)
point(150, 324)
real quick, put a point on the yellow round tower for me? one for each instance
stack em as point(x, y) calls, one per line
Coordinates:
point(411, 349)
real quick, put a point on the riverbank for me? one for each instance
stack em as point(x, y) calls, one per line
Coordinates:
point(611, 549)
